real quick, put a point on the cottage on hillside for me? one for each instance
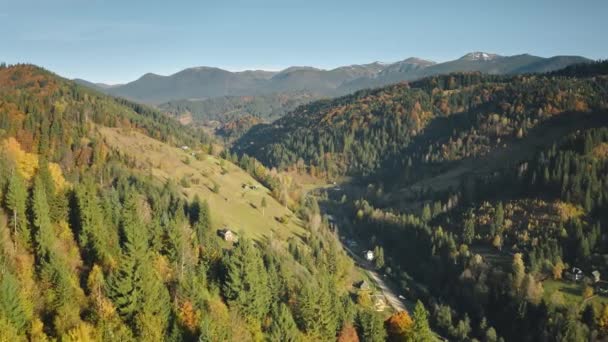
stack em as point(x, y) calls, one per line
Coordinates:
point(363, 286)
point(575, 274)
point(227, 235)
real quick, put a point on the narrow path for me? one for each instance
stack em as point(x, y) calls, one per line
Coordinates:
point(390, 296)
point(388, 293)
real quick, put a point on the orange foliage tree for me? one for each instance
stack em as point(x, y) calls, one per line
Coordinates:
point(398, 326)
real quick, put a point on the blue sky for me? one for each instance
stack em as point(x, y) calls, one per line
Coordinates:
point(117, 41)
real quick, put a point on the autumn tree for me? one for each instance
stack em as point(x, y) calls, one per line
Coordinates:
point(348, 334)
point(399, 326)
point(603, 320)
point(518, 271)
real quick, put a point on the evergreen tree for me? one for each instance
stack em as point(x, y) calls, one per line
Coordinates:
point(246, 281)
point(379, 257)
point(11, 307)
point(44, 235)
point(421, 330)
point(203, 226)
point(138, 294)
point(371, 326)
point(16, 203)
point(263, 204)
point(283, 327)
point(468, 233)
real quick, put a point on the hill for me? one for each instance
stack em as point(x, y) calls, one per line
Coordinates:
point(108, 230)
point(228, 108)
point(478, 191)
point(437, 119)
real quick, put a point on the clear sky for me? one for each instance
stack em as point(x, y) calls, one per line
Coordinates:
point(119, 40)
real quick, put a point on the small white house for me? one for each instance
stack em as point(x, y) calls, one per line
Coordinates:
point(576, 274)
point(368, 255)
point(228, 235)
point(596, 276)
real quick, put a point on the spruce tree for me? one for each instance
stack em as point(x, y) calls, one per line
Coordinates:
point(421, 332)
point(16, 203)
point(246, 281)
point(10, 305)
point(42, 222)
point(371, 326)
point(138, 294)
point(283, 327)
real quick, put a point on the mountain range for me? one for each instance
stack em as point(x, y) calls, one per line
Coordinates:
point(202, 83)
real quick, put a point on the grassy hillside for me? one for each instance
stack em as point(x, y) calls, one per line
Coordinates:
point(236, 205)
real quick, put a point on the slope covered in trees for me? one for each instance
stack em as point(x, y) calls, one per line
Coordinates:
point(434, 120)
point(99, 244)
point(493, 205)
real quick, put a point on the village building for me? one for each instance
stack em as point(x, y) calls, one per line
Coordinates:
point(596, 276)
point(227, 235)
point(363, 286)
point(575, 274)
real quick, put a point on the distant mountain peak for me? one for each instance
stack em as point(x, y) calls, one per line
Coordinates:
point(480, 56)
point(416, 60)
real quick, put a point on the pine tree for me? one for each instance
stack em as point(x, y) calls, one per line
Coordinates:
point(421, 330)
point(44, 236)
point(10, 305)
point(203, 226)
point(283, 327)
point(93, 235)
point(468, 233)
point(138, 294)
point(246, 281)
point(371, 326)
point(379, 257)
point(263, 204)
point(16, 202)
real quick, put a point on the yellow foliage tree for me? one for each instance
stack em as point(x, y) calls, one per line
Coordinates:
point(588, 293)
point(188, 316)
point(81, 333)
point(399, 326)
point(558, 269)
point(57, 176)
point(603, 321)
point(26, 163)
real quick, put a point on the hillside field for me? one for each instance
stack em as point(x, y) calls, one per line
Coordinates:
point(235, 206)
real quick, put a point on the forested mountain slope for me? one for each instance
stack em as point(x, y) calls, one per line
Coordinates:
point(437, 119)
point(108, 219)
point(487, 195)
point(205, 94)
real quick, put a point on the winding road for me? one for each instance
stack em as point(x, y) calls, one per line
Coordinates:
point(393, 299)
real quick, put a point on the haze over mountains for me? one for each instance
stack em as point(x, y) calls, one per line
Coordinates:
point(201, 83)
